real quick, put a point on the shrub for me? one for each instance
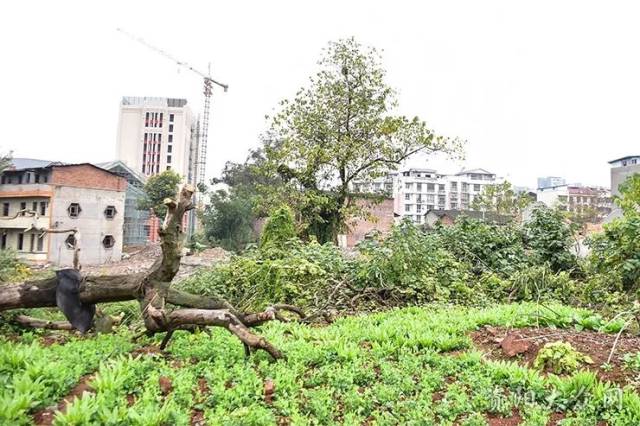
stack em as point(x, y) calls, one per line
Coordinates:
point(486, 247)
point(412, 266)
point(560, 357)
point(295, 273)
point(550, 239)
point(11, 269)
point(278, 230)
point(541, 283)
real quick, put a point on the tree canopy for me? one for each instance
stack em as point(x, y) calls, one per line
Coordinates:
point(156, 189)
point(501, 198)
point(341, 127)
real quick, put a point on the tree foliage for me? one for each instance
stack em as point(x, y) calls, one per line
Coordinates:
point(550, 239)
point(616, 252)
point(228, 220)
point(5, 161)
point(338, 129)
point(502, 199)
point(278, 230)
point(156, 189)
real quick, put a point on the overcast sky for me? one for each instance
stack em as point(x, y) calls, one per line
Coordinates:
point(536, 88)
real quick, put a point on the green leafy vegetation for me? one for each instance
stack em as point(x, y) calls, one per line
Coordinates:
point(404, 366)
point(156, 189)
point(11, 269)
point(560, 358)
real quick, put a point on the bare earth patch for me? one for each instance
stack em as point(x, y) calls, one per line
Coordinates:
point(44, 417)
point(523, 344)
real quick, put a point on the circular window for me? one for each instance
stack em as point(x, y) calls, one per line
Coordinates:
point(108, 241)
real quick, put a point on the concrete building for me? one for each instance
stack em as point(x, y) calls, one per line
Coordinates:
point(137, 229)
point(621, 169)
point(577, 199)
point(64, 196)
point(416, 191)
point(550, 181)
point(157, 134)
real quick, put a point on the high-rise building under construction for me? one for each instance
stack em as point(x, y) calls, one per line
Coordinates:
point(157, 134)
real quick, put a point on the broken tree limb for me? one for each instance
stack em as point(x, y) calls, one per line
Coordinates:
point(153, 291)
point(27, 321)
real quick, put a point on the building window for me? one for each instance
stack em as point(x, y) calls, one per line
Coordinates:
point(419, 208)
point(168, 158)
point(41, 243)
point(3, 244)
point(5, 209)
point(419, 219)
point(20, 241)
point(32, 243)
point(74, 210)
point(170, 138)
point(110, 212)
point(476, 187)
point(161, 119)
point(23, 207)
point(431, 187)
point(407, 207)
point(171, 118)
point(70, 242)
point(170, 127)
point(108, 241)
point(408, 185)
point(407, 196)
point(169, 148)
point(43, 208)
point(168, 167)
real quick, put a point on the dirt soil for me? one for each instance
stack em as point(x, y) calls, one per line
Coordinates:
point(45, 416)
point(594, 344)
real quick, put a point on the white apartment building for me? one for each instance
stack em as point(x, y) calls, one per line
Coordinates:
point(157, 134)
point(577, 199)
point(416, 191)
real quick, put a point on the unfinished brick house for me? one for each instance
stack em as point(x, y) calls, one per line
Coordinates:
point(382, 218)
point(64, 196)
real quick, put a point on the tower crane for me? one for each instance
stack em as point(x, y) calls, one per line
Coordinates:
point(208, 89)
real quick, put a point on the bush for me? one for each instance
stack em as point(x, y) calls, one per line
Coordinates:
point(11, 269)
point(412, 266)
point(294, 273)
point(278, 230)
point(541, 283)
point(486, 247)
point(549, 239)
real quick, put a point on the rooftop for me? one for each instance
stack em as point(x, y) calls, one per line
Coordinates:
point(31, 163)
point(153, 101)
point(624, 158)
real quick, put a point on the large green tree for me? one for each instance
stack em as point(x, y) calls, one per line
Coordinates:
point(157, 189)
point(341, 127)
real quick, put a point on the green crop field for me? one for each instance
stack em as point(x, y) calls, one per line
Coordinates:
point(406, 366)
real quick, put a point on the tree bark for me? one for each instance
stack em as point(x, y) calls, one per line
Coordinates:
point(153, 291)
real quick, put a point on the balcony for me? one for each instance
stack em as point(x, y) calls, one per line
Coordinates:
point(24, 222)
point(25, 190)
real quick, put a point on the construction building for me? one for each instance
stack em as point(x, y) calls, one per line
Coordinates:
point(42, 202)
point(157, 134)
point(137, 229)
point(416, 191)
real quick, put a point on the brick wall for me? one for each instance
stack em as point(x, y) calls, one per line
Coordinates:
point(87, 176)
point(383, 220)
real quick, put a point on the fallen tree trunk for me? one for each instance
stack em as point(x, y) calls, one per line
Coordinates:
point(153, 291)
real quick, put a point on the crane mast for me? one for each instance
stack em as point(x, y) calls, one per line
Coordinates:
point(201, 152)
